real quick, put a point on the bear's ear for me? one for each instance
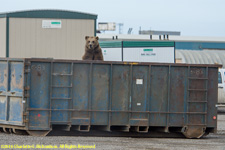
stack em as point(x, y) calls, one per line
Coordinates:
point(96, 37)
point(86, 37)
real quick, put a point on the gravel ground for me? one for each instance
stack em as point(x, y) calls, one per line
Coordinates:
point(212, 141)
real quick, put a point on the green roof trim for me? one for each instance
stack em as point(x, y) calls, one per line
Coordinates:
point(148, 44)
point(114, 44)
point(54, 14)
point(110, 44)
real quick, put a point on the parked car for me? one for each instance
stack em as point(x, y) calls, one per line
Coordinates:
point(221, 88)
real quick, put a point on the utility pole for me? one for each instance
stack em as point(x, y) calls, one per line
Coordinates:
point(120, 28)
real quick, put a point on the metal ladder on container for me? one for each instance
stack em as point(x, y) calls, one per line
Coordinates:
point(70, 105)
point(190, 101)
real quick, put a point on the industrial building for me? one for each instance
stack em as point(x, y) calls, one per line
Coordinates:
point(138, 51)
point(154, 32)
point(61, 34)
point(45, 33)
point(192, 50)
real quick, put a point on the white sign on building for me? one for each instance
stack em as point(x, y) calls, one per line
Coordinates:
point(51, 24)
point(107, 26)
point(149, 54)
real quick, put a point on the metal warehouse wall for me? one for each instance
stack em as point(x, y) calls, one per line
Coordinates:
point(2, 37)
point(199, 45)
point(201, 56)
point(27, 38)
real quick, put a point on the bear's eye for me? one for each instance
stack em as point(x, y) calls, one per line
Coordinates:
point(88, 41)
point(93, 41)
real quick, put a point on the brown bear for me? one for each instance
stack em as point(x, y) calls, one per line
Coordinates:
point(92, 49)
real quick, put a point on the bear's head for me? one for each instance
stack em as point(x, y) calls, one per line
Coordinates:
point(91, 42)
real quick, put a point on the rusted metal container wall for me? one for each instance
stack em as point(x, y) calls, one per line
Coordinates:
point(11, 92)
point(124, 96)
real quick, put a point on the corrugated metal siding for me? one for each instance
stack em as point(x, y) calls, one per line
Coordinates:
point(28, 38)
point(3, 37)
point(201, 57)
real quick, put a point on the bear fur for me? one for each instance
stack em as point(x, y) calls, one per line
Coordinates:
point(92, 49)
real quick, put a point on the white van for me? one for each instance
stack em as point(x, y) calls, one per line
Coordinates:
point(221, 88)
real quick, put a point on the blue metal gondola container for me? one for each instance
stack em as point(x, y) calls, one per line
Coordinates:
point(38, 94)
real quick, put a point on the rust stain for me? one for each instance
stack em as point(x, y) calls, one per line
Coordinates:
point(14, 82)
point(2, 100)
point(4, 83)
point(39, 73)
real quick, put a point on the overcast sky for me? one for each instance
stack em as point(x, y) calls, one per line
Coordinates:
point(190, 17)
